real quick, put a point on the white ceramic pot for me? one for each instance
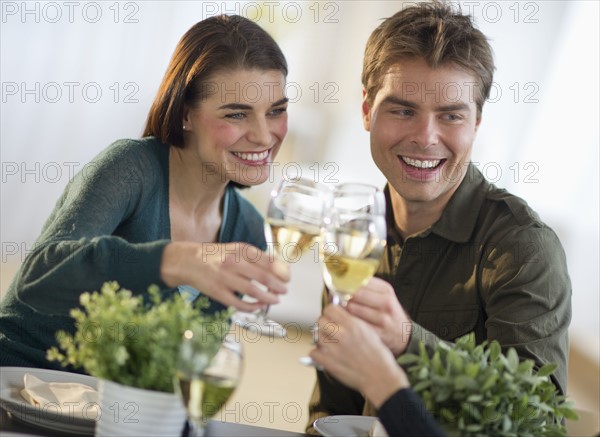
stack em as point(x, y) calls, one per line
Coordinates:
point(130, 411)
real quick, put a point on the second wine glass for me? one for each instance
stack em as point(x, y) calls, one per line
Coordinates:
point(351, 243)
point(353, 239)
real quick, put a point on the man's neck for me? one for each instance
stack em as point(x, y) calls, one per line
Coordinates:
point(413, 217)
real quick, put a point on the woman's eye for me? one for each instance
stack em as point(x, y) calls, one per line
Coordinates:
point(236, 116)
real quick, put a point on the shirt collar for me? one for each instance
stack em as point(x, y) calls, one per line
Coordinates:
point(460, 215)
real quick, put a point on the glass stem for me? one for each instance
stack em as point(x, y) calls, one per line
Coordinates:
point(197, 428)
point(261, 315)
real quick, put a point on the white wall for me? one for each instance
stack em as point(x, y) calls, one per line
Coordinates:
point(539, 137)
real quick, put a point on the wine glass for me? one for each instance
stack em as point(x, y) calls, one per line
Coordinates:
point(293, 222)
point(205, 380)
point(351, 243)
point(353, 239)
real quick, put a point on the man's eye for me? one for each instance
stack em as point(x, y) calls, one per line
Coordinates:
point(277, 111)
point(403, 112)
point(452, 117)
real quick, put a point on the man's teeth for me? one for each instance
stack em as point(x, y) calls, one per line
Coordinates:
point(421, 164)
point(252, 156)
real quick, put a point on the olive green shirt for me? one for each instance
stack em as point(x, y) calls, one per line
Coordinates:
point(488, 265)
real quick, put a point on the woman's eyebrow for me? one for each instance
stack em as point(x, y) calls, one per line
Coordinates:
point(235, 106)
point(242, 106)
point(280, 102)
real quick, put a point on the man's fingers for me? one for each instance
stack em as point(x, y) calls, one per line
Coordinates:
point(369, 314)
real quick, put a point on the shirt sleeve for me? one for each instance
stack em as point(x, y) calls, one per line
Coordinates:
point(78, 251)
point(526, 292)
point(404, 414)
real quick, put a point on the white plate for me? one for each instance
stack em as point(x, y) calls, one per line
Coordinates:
point(344, 426)
point(51, 418)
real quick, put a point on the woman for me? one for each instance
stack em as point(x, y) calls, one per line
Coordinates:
point(163, 209)
point(373, 371)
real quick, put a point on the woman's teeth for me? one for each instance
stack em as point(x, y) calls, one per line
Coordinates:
point(421, 164)
point(252, 156)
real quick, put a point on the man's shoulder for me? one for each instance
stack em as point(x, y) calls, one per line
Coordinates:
point(505, 216)
point(501, 202)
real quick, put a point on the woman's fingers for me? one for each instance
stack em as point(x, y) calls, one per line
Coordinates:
point(221, 270)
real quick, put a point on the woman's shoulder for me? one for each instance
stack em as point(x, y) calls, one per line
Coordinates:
point(136, 148)
point(126, 157)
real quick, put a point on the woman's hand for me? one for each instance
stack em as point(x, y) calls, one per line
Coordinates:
point(219, 270)
point(350, 349)
point(377, 304)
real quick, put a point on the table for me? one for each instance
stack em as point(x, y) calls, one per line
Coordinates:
point(215, 429)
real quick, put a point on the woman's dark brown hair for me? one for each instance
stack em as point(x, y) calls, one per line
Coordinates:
point(224, 42)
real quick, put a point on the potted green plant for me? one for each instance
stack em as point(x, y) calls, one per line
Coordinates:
point(476, 390)
point(132, 347)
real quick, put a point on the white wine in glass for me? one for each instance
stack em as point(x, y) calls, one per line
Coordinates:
point(351, 250)
point(295, 217)
point(353, 238)
point(205, 384)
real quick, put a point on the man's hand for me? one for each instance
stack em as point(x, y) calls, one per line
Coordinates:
point(377, 304)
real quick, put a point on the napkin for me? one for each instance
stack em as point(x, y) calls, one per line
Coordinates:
point(66, 398)
point(377, 430)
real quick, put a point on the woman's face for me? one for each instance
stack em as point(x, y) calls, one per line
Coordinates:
point(236, 131)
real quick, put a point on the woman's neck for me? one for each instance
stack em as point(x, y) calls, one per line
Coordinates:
point(191, 189)
point(194, 201)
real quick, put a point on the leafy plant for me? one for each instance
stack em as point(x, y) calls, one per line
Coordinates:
point(121, 338)
point(476, 390)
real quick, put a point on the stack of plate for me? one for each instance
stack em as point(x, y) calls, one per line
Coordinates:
point(52, 416)
point(349, 426)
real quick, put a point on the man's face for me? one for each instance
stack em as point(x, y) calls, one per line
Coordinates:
point(423, 123)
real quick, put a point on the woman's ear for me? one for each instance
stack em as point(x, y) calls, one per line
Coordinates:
point(186, 118)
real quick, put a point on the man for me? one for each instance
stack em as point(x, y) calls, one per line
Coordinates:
point(462, 255)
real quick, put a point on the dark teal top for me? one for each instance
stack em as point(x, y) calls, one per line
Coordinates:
point(111, 223)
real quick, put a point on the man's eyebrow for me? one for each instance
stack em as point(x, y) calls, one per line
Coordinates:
point(392, 100)
point(241, 106)
point(454, 107)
